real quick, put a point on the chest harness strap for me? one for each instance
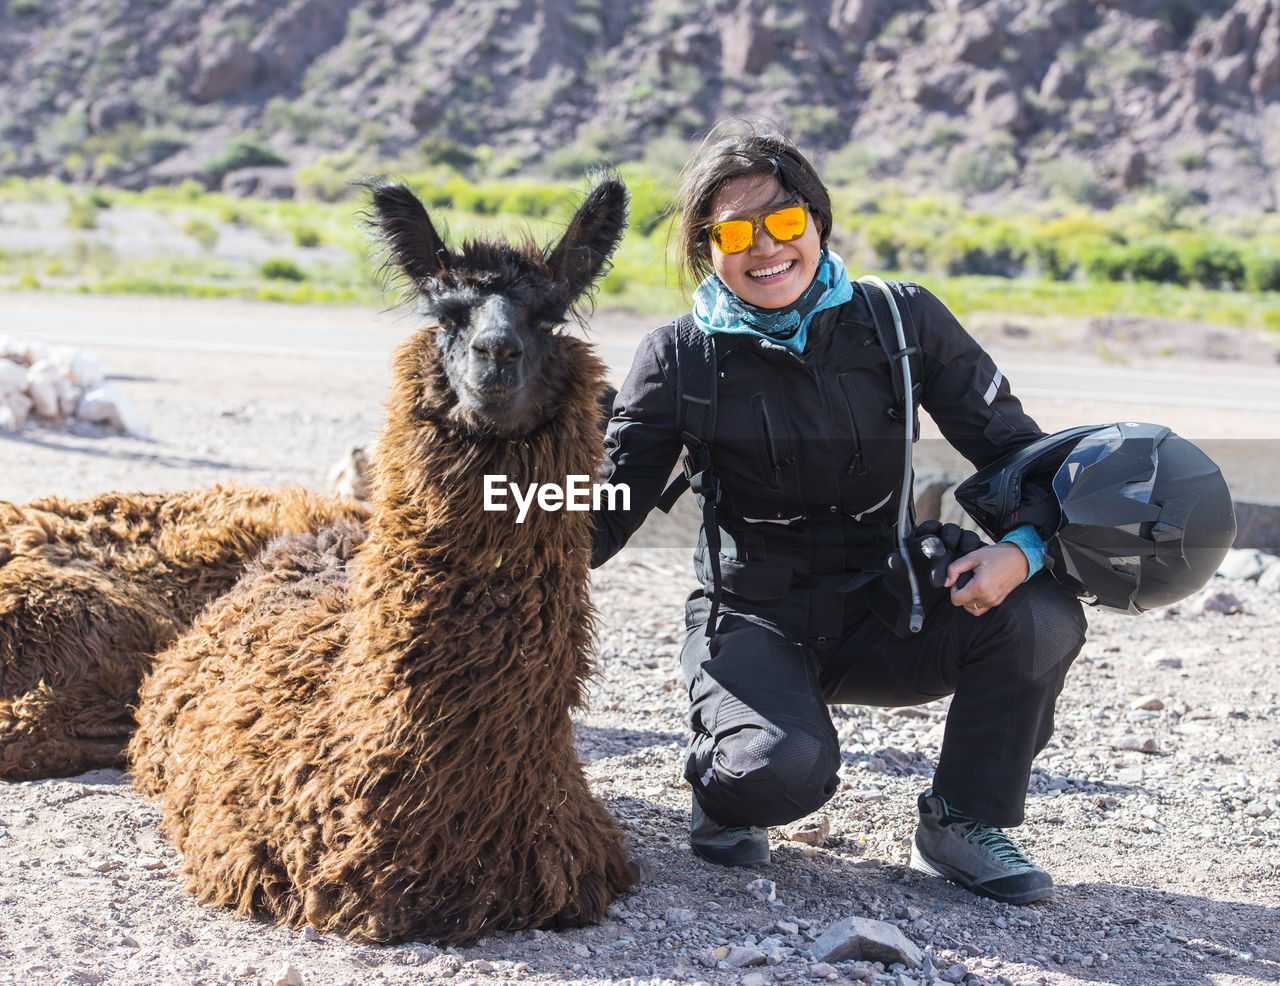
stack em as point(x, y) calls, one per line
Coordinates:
point(696, 419)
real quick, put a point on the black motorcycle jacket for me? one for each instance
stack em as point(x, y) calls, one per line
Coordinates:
point(808, 449)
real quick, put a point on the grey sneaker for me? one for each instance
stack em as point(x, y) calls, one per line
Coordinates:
point(727, 845)
point(976, 856)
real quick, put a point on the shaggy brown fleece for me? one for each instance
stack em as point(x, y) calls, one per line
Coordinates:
point(90, 589)
point(384, 746)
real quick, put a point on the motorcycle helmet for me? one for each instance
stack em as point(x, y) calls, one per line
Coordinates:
point(1138, 517)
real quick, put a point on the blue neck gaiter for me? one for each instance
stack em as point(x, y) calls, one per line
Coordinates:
point(717, 309)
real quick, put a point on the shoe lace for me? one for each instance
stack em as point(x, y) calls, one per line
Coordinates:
point(999, 845)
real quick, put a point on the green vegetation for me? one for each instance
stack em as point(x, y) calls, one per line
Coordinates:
point(1160, 255)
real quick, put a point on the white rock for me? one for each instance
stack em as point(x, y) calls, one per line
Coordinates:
point(42, 388)
point(1269, 580)
point(863, 938)
point(742, 957)
point(10, 420)
point(81, 368)
point(812, 831)
point(12, 376)
point(678, 915)
point(1149, 703)
point(1245, 563)
point(822, 970)
point(763, 890)
point(288, 976)
point(106, 404)
point(756, 979)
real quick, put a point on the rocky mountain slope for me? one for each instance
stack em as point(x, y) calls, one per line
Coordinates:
point(1094, 100)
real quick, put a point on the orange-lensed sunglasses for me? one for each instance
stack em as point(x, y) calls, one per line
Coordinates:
point(736, 235)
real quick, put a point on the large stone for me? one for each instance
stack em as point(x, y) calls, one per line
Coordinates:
point(977, 39)
point(867, 940)
point(225, 69)
point(264, 182)
point(1060, 82)
point(853, 20)
point(746, 46)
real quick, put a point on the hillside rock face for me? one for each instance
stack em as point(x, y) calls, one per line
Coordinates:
point(1094, 99)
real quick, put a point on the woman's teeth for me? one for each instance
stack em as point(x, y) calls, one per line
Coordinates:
point(770, 271)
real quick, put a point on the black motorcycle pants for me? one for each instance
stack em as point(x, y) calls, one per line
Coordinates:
point(764, 750)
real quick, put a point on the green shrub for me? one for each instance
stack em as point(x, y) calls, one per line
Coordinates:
point(305, 236)
point(202, 231)
point(439, 149)
point(1154, 260)
point(242, 152)
point(280, 269)
point(82, 214)
point(1263, 271)
point(1215, 265)
point(981, 170)
point(23, 8)
point(1106, 263)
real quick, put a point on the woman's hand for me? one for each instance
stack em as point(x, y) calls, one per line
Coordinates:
point(997, 570)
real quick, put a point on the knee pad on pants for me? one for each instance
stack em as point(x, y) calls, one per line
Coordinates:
point(762, 775)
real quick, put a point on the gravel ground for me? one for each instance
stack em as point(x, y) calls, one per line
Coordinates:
point(1156, 805)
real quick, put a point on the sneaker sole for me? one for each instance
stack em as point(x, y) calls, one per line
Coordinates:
point(923, 864)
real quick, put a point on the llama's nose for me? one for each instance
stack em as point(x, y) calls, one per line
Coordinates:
point(498, 347)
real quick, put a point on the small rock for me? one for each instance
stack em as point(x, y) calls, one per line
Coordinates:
point(310, 934)
point(954, 974)
point(1269, 580)
point(741, 957)
point(821, 970)
point(811, 831)
point(763, 890)
point(1245, 563)
point(864, 938)
point(150, 863)
point(581, 951)
point(786, 927)
point(1129, 775)
point(721, 953)
point(1148, 703)
point(288, 976)
point(678, 915)
point(756, 979)
point(1217, 602)
point(706, 957)
point(1163, 659)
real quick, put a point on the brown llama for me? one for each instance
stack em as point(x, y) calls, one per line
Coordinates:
point(90, 589)
point(372, 734)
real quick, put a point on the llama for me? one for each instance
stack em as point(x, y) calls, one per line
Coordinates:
point(371, 733)
point(90, 589)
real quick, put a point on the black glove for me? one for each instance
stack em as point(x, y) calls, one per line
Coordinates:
point(931, 547)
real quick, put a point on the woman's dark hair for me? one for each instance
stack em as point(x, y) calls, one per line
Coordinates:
point(739, 149)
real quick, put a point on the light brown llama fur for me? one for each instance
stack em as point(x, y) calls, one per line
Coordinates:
point(90, 589)
point(374, 736)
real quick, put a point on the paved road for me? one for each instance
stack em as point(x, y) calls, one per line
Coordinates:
point(1233, 410)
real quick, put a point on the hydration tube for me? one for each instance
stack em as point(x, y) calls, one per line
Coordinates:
point(917, 607)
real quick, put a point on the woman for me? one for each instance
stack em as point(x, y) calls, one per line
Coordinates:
point(810, 468)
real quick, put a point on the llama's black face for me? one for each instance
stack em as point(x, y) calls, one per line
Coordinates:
point(498, 357)
point(498, 305)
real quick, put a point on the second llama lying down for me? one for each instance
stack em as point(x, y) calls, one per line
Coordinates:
point(371, 733)
point(90, 589)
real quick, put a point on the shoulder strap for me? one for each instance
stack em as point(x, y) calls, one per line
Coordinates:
point(888, 316)
point(696, 419)
point(696, 410)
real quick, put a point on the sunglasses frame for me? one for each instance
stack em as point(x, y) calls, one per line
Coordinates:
point(757, 222)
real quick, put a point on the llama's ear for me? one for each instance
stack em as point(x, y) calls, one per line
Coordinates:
point(414, 247)
point(595, 231)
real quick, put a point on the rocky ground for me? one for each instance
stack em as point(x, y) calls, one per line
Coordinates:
point(1156, 805)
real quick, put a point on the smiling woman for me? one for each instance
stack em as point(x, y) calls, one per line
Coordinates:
point(773, 381)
